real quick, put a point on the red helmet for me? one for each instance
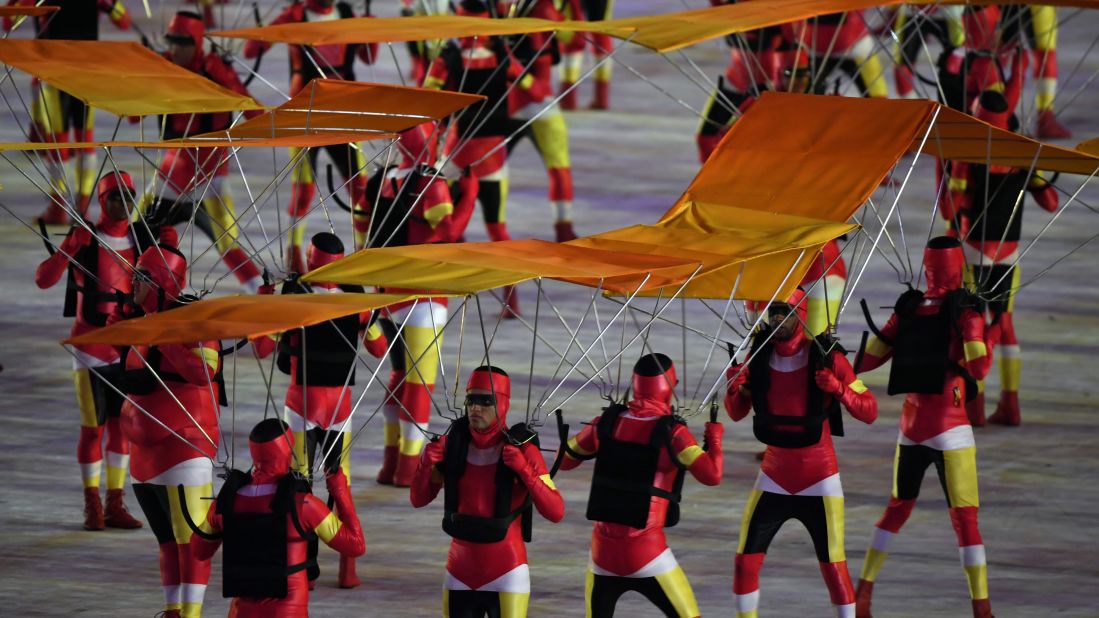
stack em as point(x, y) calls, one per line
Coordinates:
point(112, 182)
point(167, 269)
point(654, 378)
point(187, 25)
point(943, 264)
point(325, 248)
point(496, 381)
point(271, 443)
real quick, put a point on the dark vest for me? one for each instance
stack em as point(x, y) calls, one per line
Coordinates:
point(390, 217)
point(773, 429)
point(622, 484)
point(994, 215)
point(254, 550)
point(326, 352)
point(471, 527)
point(921, 349)
point(88, 259)
point(492, 83)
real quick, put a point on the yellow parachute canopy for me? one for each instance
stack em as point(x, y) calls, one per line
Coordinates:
point(468, 268)
point(324, 112)
point(122, 78)
point(236, 317)
point(1091, 146)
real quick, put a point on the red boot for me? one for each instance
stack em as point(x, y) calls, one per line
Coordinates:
point(294, 261)
point(982, 608)
point(568, 97)
point(117, 515)
point(511, 303)
point(1007, 411)
point(602, 98)
point(1051, 128)
point(348, 578)
point(406, 470)
point(975, 410)
point(93, 509)
point(389, 466)
point(564, 232)
point(862, 599)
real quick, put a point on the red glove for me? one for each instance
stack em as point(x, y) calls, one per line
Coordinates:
point(516, 460)
point(737, 375)
point(714, 433)
point(433, 453)
point(993, 334)
point(336, 483)
point(1046, 198)
point(828, 382)
point(378, 346)
point(167, 235)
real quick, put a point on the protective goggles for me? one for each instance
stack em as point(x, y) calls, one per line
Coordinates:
point(780, 310)
point(482, 400)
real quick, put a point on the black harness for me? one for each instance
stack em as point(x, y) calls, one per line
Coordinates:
point(786, 430)
point(389, 217)
point(254, 552)
point(490, 82)
point(88, 259)
point(622, 484)
point(921, 349)
point(471, 527)
point(326, 357)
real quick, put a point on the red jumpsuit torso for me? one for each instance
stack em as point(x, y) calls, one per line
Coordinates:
point(155, 449)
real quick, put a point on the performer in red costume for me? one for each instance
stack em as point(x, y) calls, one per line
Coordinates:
point(171, 419)
point(320, 361)
point(989, 218)
point(914, 26)
point(266, 519)
point(306, 64)
point(936, 340)
point(490, 476)
point(193, 178)
point(573, 53)
point(99, 261)
point(795, 385)
point(57, 116)
point(843, 41)
point(637, 445)
point(531, 99)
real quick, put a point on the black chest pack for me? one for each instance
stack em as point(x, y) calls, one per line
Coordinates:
point(88, 259)
point(390, 216)
point(921, 349)
point(145, 380)
point(326, 352)
point(488, 117)
point(254, 549)
point(997, 211)
point(623, 482)
point(787, 430)
point(312, 67)
point(471, 527)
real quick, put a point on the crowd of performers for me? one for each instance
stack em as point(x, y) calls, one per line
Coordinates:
point(160, 404)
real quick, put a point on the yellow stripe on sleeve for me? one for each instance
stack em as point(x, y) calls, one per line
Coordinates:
point(877, 347)
point(437, 213)
point(209, 355)
point(975, 350)
point(574, 446)
point(688, 455)
point(548, 481)
point(329, 527)
point(857, 387)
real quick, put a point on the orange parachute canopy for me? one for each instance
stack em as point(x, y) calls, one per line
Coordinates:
point(468, 268)
point(1090, 146)
point(26, 10)
point(417, 28)
point(324, 112)
point(236, 317)
point(121, 78)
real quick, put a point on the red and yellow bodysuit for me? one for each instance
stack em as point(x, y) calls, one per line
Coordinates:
point(796, 482)
point(843, 41)
point(624, 557)
point(306, 64)
point(486, 568)
point(193, 178)
point(92, 300)
point(171, 420)
point(58, 117)
point(572, 53)
point(935, 429)
point(270, 443)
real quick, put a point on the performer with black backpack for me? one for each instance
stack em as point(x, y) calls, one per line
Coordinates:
point(641, 451)
point(265, 519)
point(796, 386)
point(491, 476)
point(936, 340)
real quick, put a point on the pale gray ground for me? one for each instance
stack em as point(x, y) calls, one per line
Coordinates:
point(1037, 481)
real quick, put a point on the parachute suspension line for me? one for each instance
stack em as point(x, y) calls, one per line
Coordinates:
point(717, 333)
point(396, 63)
point(572, 340)
point(251, 203)
point(674, 322)
point(146, 412)
point(1042, 272)
point(268, 382)
point(438, 356)
point(461, 344)
point(378, 195)
point(705, 85)
point(487, 360)
point(1015, 212)
point(755, 325)
point(931, 224)
point(254, 73)
point(898, 267)
point(893, 208)
point(533, 344)
point(1046, 227)
point(232, 446)
point(602, 343)
point(817, 73)
point(559, 96)
point(621, 345)
point(683, 332)
point(174, 398)
point(662, 90)
point(644, 330)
